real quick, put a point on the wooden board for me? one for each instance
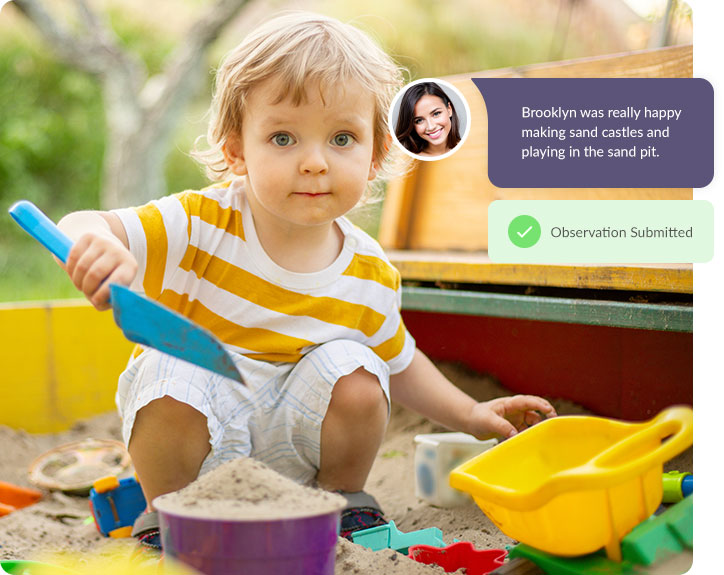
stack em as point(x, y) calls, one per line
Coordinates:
point(614, 372)
point(443, 205)
point(61, 362)
point(476, 268)
point(657, 317)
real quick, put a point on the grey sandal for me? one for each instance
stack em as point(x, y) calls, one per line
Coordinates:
point(147, 530)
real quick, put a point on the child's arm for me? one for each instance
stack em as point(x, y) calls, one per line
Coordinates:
point(99, 254)
point(422, 388)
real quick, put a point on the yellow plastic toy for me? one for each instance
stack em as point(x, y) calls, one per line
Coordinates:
point(573, 484)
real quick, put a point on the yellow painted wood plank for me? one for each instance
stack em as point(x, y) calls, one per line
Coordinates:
point(61, 362)
point(463, 267)
point(398, 210)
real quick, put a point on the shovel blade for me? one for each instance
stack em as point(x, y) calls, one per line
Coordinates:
point(142, 320)
point(154, 325)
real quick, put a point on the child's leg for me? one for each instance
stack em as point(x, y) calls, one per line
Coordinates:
point(324, 420)
point(169, 442)
point(352, 431)
point(180, 420)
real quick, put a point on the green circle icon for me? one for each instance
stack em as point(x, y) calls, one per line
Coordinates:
point(524, 231)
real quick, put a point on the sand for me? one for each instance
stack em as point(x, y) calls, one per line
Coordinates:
point(59, 523)
point(248, 489)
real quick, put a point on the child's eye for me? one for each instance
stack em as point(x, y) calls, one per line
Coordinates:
point(282, 139)
point(342, 140)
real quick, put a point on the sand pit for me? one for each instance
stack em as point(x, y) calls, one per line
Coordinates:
point(59, 523)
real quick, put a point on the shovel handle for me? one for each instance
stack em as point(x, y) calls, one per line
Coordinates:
point(42, 228)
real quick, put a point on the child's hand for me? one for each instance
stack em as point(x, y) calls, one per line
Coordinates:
point(96, 260)
point(507, 416)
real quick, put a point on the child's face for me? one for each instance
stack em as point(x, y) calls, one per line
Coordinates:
point(308, 164)
point(432, 119)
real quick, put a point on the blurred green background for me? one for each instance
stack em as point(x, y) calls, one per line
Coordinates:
point(52, 134)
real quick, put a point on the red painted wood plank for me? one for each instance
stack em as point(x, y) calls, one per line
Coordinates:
point(615, 372)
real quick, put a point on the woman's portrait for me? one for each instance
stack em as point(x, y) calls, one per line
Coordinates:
point(428, 122)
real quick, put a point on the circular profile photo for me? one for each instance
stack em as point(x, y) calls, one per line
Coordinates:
point(429, 119)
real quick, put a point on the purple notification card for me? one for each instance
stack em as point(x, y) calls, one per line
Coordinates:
point(599, 132)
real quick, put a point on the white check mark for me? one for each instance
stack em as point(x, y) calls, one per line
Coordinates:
point(525, 232)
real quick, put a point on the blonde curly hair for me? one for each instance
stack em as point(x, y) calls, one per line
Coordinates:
point(297, 49)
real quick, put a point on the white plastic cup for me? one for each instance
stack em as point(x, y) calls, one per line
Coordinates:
point(436, 455)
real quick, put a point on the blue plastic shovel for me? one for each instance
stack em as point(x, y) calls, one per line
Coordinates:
point(142, 320)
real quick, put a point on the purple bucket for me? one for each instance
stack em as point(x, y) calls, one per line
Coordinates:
point(295, 546)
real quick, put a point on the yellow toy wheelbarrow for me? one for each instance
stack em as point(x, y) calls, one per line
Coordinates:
point(573, 484)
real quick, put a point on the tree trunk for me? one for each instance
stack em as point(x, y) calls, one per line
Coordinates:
point(137, 144)
point(141, 112)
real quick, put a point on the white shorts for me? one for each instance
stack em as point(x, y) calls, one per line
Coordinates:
point(276, 418)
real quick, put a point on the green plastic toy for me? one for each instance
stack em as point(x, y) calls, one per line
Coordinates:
point(31, 568)
point(389, 537)
point(655, 540)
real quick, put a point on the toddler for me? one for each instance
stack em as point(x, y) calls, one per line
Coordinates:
point(307, 303)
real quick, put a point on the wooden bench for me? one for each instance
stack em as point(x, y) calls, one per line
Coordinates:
point(624, 330)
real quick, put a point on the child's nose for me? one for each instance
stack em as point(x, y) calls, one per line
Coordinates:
point(313, 161)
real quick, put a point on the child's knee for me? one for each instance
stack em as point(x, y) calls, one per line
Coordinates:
point(170, 411)
point(359, 394)
point(171, 421)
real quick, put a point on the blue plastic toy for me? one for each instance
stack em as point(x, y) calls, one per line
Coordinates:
point(141, 319)
point(389, 537)
point(115, 504)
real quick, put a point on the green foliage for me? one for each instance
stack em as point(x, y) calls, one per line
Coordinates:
point(181, 170)
point(51, 128)
point(52, 139)
point(29, 272)
point(432, 38)
point(141, 36)
point(51, 148)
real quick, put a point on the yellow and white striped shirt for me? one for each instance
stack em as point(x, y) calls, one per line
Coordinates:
point(198, 253)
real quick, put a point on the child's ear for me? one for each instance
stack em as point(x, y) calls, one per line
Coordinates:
point(233, 152)
point(376, 162)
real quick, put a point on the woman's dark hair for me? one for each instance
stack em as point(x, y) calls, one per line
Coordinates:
point(405, 129)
